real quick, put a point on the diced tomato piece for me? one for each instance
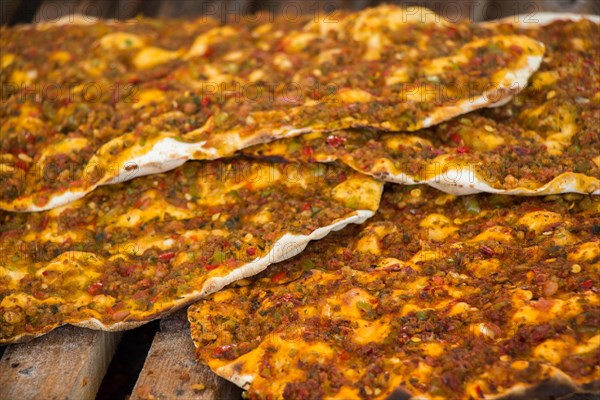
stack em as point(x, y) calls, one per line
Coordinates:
point(587, 284)
point(230, 262)
point(21, 165)
point(120, 315)
point(516, 49)
point(30, 137)
point(44, 221)
point(455, 137)
point(307, 151)
point(251, 251)
point(209, 52)
point(140, 295)
point(15, 151)
point(479, 392)
point(166, 256)
point(127, 271)
point(462, 150)
point(210, 267)
point(488, 251)
point(205, 101)
point(223, 349)
point(278, 277)
point(306, 207)
point(144, 283)
point(95, 288)
point(438, 280)
point(335, 141)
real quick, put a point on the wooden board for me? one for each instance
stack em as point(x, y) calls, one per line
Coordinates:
point(171, 372)
point(68, 363)
point(51, 10)
point(503, 8)
point(7, 9)
point(95, 8)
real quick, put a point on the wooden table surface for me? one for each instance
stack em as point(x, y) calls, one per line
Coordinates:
point(70, 363)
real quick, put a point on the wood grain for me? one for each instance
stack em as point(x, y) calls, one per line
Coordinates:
point(7, 9)
point(95, 8)
point(68, 363)
point(219, 10)
point(51, 10)
point(125, 9)
point(171, 372)
point(502, 8)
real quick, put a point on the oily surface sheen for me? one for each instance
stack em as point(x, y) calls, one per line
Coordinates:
point(107, 102)
point(438, 296)
point(132, 252)
point(544, 141)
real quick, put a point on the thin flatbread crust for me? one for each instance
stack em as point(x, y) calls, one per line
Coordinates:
point(545, 141)
point(130, 253)
point(138, 105)
point(480, 296)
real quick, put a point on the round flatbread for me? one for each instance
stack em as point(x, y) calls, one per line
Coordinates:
point(545, 141)
point(131, 253)
point(438, 296)
point(137, 105)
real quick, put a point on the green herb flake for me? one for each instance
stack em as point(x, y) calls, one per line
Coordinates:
point(364, 306)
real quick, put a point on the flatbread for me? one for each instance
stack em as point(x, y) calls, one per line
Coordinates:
point(130, 253)
point(438, 296)
point(540, 19)
point(233, 87)
point(545, 141)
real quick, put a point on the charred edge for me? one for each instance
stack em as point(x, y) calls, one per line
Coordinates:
point(547, 389)
point(399, 394)
point(270, 159)
point(376, 127)
point(592, 387)
point(580, 396)
point(237, 367)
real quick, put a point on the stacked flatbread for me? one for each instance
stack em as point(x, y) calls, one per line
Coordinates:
point(192, 163)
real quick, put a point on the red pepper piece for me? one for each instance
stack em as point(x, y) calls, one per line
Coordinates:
point(95, 288)
point(166, 256)
point(335, 141)
point(278, 277)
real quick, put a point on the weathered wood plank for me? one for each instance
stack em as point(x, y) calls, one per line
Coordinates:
point(502, 8)
point(68, 363)
point(7, 9)
point(220, 10)
point(125, 9)
point(187, 8)
point(170, 371)
point(356, 4)
point(51, 10)
point(235, 9)
point(95, 8)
